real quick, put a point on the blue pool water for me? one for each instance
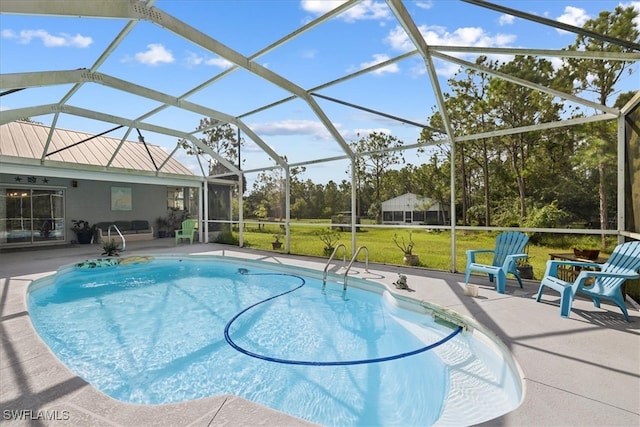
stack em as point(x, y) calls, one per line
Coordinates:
point(154, 332)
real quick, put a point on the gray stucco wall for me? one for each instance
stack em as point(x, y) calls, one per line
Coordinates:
point(91, 200)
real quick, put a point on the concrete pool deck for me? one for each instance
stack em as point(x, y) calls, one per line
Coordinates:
point(581, 371)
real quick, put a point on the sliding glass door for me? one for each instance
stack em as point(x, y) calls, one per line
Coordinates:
point(30, 215)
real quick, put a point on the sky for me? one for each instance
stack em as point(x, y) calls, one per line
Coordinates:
point(362, 36)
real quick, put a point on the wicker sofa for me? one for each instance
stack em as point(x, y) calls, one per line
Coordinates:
point(136, 230)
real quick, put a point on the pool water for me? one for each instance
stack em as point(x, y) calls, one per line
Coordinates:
point(153, 333)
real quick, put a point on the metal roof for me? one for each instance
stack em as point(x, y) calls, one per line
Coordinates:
point(24, 140)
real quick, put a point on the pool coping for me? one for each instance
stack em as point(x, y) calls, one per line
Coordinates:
point(577, 371)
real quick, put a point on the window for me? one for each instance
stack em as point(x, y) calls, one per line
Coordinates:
point(419, 216)
point(183, 199)
point(175, 198)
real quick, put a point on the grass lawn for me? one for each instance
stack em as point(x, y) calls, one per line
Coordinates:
point(433, 247)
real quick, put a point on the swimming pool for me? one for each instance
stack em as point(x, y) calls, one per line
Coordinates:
point(174, 329)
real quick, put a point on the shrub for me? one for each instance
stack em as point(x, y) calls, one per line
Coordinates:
point(226, 237)
point(548, 216)
point(330, 238)
point(110, 248)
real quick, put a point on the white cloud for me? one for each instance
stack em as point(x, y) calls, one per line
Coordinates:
point(8, 34)
point(378, 58)
point(154, 55)
point(634, 4)
point(573, 16)
point(438, 35)
point(292, 127)
point(194, 60)
point(365, 10)
point(49, 40)
point(219, 62)
point(319, 7)
point(506, 20)
point(424, 4)
point(446, 68)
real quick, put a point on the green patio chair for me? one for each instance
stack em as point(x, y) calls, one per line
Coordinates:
point(509, 247)
point(605, 283)
point(187, 231)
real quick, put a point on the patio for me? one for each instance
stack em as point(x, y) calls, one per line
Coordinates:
point(578, 371)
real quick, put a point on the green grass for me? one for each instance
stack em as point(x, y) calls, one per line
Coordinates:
point(433, 247)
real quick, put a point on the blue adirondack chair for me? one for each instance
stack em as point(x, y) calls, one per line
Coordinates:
point(187, 230)
point(623, 264)
point(509, 247)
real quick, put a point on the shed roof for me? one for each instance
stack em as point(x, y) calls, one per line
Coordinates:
point(404, 198)
point(411, 201)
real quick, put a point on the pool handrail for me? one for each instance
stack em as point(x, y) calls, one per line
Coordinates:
point(124, 243)
point(355, 256)
point(326, 267)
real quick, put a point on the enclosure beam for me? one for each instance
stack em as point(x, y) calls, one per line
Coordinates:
point(552, 23)
point(416, 37)
point(527, 84)
point(203, 40)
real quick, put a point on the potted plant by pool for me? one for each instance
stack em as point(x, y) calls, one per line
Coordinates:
point(525, 269)
point(330, 239)
point(161, 227)
point(406, 246)
point(276, 244)
point(110, 248)
point(84, 231)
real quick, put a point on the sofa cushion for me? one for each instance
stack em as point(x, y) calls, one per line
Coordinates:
point(140, 226)
point(104, 226)
point(123, 226)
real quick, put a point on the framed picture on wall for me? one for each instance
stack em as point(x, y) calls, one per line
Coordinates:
point(120, 198)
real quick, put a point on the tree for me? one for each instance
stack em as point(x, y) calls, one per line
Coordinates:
point(30, 120)
point(472, 93)
point(374, 155)
point(433, 177)
point(299, 209)
point(331, 201)
point(513, 105)
point(468, 113)
point(270, 186)
point(600, 77)
point(222, 139)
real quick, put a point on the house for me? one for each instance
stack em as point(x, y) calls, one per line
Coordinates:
point(49, 178)
point(413, 209)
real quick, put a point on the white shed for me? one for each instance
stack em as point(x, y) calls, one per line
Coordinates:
point(411, 208)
